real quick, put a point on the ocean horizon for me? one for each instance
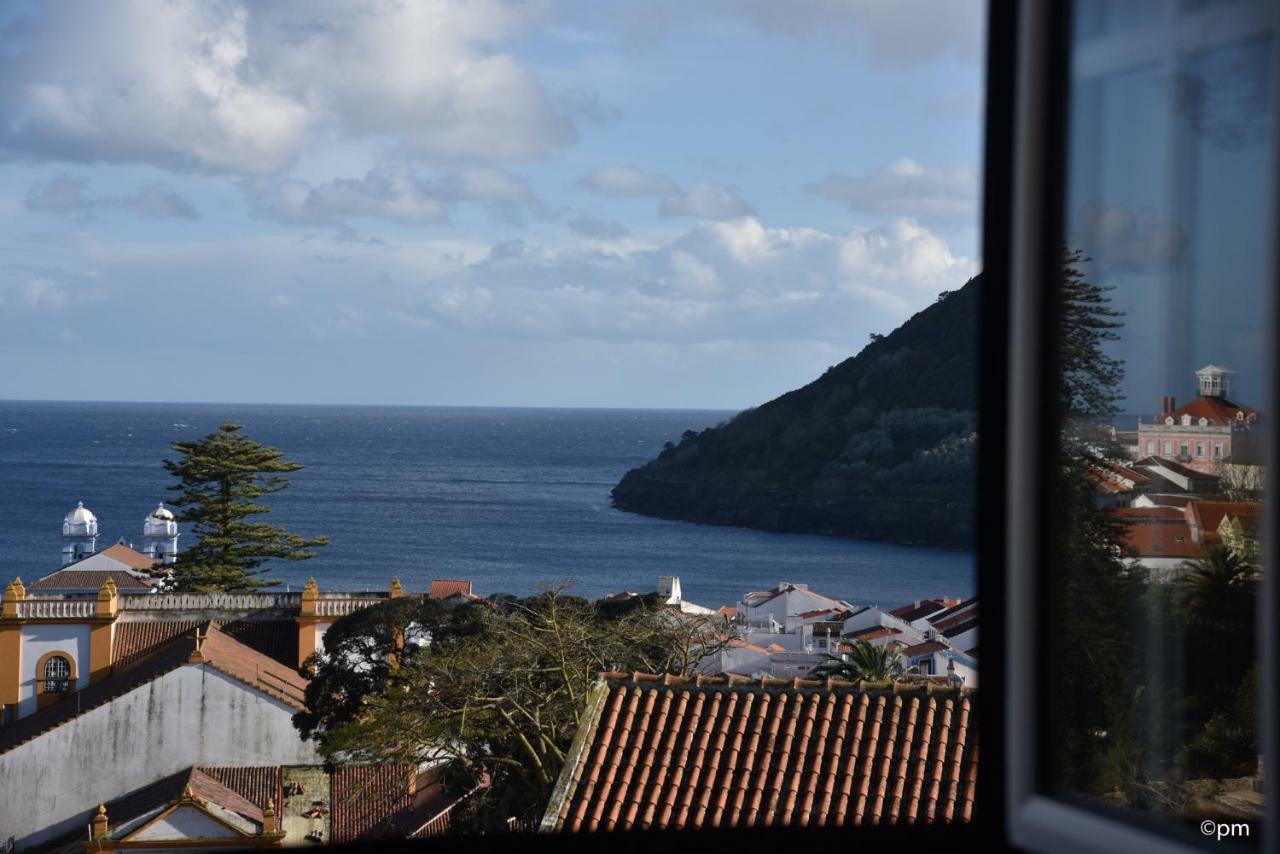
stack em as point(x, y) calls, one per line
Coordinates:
point(512, 498)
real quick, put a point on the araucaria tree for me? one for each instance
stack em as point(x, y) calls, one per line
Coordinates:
point(1094, 593)
point(496, 689)
point(221, 479)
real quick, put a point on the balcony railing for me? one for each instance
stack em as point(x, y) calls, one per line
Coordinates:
point(47, 609)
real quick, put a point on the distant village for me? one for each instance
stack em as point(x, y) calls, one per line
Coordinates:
point(135, 717)
point(1194, 479)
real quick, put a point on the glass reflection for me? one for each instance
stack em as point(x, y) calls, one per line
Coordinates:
point(1154, 574)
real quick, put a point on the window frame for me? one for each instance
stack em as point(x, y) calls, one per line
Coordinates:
point(1020, 243)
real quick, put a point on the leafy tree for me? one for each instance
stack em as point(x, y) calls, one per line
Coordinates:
point(221, 478)
point(501, 700)
point(864, 662)
point(361, 649)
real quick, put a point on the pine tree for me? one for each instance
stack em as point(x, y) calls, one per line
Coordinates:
point(1095, 596)
point(220, 481)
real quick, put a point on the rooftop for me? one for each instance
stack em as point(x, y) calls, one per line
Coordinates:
point(665, 752)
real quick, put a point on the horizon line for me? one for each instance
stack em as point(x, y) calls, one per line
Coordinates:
point(4, 400)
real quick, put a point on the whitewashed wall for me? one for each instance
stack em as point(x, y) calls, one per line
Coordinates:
point(190, 716)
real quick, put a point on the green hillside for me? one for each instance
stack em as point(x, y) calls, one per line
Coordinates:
point(881, 446)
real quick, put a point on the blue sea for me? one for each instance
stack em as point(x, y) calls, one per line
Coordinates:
point(514, 499)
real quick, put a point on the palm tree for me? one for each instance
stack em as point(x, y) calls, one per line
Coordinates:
point(864, 662)
point(1219, 590)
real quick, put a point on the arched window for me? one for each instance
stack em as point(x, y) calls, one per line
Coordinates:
point(57, 674)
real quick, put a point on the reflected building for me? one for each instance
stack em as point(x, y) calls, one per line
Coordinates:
point(1203, 433)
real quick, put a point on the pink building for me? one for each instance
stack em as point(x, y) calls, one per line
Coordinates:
point(1198, 434)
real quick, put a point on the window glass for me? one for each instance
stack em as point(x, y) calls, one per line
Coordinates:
point(57, 674)
point(1164, 292)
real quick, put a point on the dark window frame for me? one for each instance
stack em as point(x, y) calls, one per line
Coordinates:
point(1023, 218)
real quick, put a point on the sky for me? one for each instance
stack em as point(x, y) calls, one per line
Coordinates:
point(657, 204)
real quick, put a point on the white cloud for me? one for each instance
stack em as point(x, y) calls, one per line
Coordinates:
point(705, 200)
point(628, 182)
point(42, 294)
point(394, 193)
point(68, 195)
point(241, 88)
point(908, 188)
point(702, 200)
point(736, 280)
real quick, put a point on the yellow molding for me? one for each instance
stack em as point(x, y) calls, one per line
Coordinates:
point(310, 593)
point(10, 663)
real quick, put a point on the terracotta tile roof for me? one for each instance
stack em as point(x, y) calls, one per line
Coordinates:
point(364, 796)
point(205, 786)
point(729, 611)
point(254, 783)
point(277, 639)
point(135, 640)
point(256, 669)
point(91, 580)
point(875, 632)
point(128, 556)
point(820, 612)
point(443, 588)
point(1156, 532)
point(677, 753)
point(915, 610)
point(1209, 514)
point(1217, 410)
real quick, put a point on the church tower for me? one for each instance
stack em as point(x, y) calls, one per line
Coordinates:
point(79, 534)
point(160, 535)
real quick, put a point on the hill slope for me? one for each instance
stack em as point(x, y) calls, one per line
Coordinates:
point(881, 446)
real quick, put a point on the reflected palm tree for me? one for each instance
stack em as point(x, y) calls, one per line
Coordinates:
point(1219, 589)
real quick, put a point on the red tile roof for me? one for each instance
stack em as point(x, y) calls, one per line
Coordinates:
point(677, 753)
point(129, 557)
point(255, 783)
point(91, 580)
point(1209, 514)
point(135, 640)
point(1156, 532)
point(875, 633)
point(1217, 410)
point(915, 610)
point(363, 796)
point(204, 786)
point(227, 655)
point(443, 588)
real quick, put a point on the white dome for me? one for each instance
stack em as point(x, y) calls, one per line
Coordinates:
point(80, 516)
point(162, 512)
